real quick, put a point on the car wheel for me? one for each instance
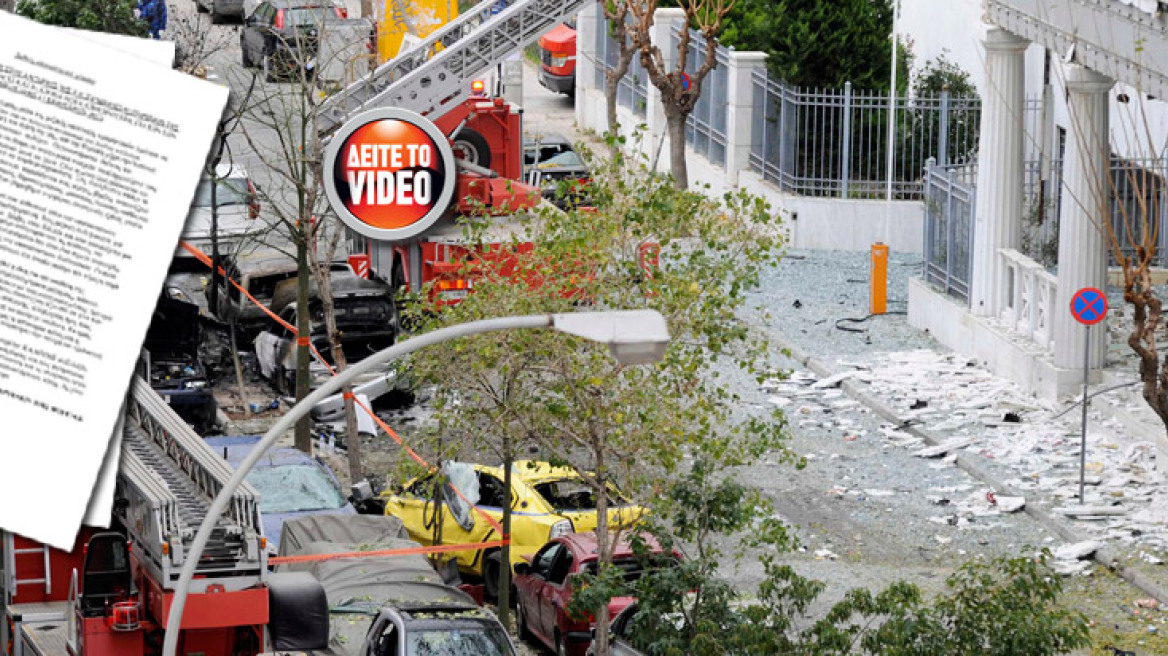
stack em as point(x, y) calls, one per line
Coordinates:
point(472, 147)
point(216, 17)
point(199, 7)
point(247, 62)
point(491, 570)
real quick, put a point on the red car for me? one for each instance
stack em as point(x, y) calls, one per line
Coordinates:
point(545, 590)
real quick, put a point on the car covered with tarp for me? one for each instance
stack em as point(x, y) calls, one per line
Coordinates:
point(393, 602)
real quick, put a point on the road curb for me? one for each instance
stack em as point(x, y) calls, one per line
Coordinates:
point(1105, 556)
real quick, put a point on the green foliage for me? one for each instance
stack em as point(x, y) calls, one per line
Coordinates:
point(630, 424)
point(115, 16)
point(820, 43)
point(942, 74)
point(1003, 607)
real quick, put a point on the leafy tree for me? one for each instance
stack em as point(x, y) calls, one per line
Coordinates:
point(938, 76)
point(614, 424)
point(115, 16)
point(818, 43)
point(1003, 607)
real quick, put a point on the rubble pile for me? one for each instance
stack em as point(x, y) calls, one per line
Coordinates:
point(1028, 443)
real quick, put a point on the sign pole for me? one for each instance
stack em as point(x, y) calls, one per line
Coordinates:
point(1088, 307)
point(1083, 439)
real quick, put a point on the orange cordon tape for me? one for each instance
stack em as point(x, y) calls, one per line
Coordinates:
point(438, 548)
point(302, 341)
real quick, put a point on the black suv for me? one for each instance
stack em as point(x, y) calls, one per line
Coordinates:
point(281, 35)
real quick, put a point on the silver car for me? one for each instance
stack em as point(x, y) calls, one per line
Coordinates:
point(619, 639)
point(236, 209)
point(221, 9)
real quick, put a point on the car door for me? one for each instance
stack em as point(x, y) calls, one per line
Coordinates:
point(620, 642)
point(542, 567)
point(555, 596)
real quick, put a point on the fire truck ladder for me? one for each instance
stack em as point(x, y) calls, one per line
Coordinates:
point(11, 573)
point(436, 74)
point(166, 483)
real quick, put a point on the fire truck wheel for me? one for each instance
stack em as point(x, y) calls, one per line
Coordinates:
point(472, 147)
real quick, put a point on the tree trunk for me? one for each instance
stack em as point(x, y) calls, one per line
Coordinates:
point(504, 606)
point(601, 642)
point(611, 85)
point(303, 333)
point(7, 5)
point(675, 122)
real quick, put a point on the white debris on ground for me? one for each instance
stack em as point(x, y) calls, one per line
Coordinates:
point(976, 413)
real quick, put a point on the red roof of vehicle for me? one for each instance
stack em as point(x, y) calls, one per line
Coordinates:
point(561, 39)
point(584, 545)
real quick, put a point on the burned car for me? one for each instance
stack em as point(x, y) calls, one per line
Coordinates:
point(176, 367)
point(367, 321)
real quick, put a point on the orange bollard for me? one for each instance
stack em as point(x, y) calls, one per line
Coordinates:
point(878, 280)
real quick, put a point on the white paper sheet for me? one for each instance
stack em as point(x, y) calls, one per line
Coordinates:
point(101, 155)
point(101, 501)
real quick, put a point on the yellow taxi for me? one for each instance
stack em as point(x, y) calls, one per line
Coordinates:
point(547, 501)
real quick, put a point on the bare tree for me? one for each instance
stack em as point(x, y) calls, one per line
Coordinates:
point(679, 91)
point(280, 127)
point(195, 42)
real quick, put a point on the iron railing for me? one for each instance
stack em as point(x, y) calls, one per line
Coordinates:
point(950, 206)
point(834, 142)
point(633, 89)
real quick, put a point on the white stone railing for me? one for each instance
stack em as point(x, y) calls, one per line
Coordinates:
point(1027, 296)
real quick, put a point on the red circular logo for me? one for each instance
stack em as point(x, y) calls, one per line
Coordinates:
point(389, 174)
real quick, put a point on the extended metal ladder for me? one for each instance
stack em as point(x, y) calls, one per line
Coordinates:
point(436, 75)
point(166, 482)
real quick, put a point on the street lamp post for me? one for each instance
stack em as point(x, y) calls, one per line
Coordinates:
point(633, 337)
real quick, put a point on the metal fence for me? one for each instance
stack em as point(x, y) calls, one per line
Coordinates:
point(950, 206)
point(632, 90)
point(706, 127)
point(834, 142)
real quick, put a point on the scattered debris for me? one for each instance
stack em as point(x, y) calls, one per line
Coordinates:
point(943, 448)
point(919, 404)
point(1011, 504)
point(1148, 603)
point(833, 381)
point(1078, 550)
point(1091, 511)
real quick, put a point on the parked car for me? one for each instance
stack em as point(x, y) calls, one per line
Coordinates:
point(549, 502)
point(258, 274)
point(291, 484)
point(221, 9)
point(550, 161)
point(544, 587)
point(557, 59)
point(621, 640)
point(282, 35)
point(388, 605)
point(237, 208)
point(366, 318)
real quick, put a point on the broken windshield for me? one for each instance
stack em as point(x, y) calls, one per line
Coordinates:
point(567, 494)
point(295, 488)
point(482, 640)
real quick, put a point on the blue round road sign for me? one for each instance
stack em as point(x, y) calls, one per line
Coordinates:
point(1089, 306)
point(685, 81)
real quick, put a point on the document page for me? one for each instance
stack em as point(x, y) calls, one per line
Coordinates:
point(101, 501)
point(100, 152)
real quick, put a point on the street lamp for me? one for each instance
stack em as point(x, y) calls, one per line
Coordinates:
point(633, 337)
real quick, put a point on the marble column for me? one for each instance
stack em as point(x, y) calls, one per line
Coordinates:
point(998, 223)
point(1084, 207)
